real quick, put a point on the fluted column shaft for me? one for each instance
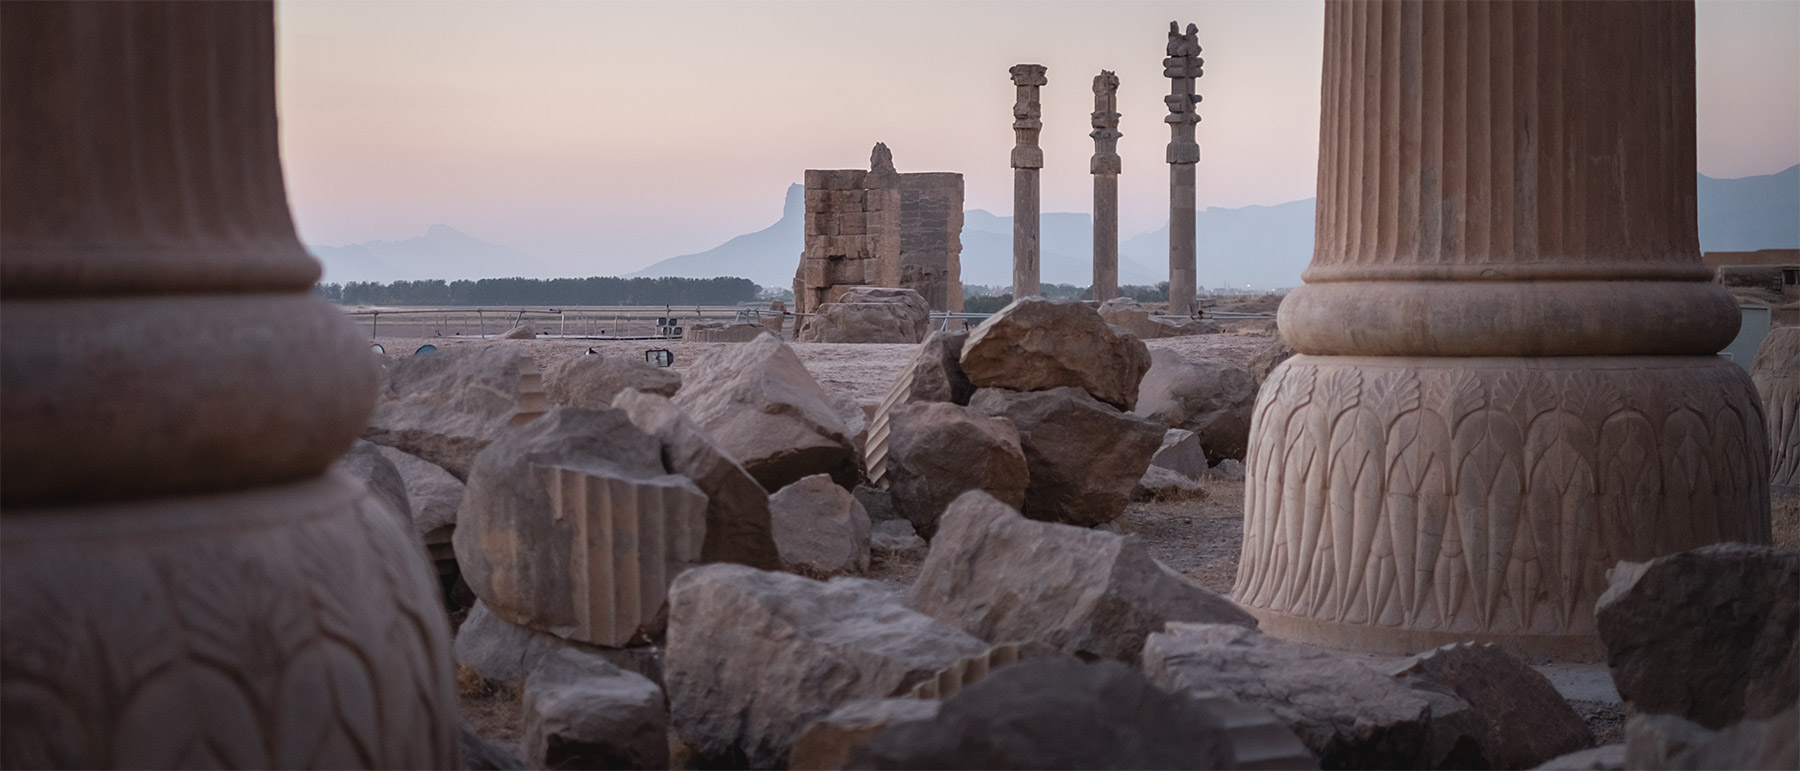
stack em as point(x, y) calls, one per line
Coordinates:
point(1027, 160)
point(184, 581)
point(1506, 381)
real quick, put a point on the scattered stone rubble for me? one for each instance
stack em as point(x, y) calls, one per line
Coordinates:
point(868, 314)
point(1209, 397)
point(446, 407)
point(764, 410)
point(594, 381)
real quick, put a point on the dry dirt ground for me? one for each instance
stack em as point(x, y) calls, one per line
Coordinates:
point(1200, 539)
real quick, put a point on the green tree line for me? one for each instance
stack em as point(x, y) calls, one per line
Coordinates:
point(594, 290)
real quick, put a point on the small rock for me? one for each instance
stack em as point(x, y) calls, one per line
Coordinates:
point(754, 656)
point(571, 526)
point(1610, 757)
point(828, 743)
point(820, 526)
point(1658, 742)
point(582, 712)
point(1005, 578)
point(519, 333)
point(594, 381)
point(1036, 344)
point(869, 314)
point(895, 538)
point(1181, 453)
point(879, 503)
point(1209, 397)
point(1067, 480)
point(737, 507)
point(500, 651)
point(1228, 469)
point(1161, 484)
point(938, 451)
point(1526, 720)
point(1058, 714)
point(1348, 714)
point(763, 409)
point(1711, 635)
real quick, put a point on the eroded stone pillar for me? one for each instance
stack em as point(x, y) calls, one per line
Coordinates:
point(1105, 167)
point(1182, 68)
point(1506, 382)
point(1027, 158)
point(183, 581)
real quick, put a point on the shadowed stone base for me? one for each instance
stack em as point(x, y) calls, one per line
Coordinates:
point(1396, 503)
point(289, 626)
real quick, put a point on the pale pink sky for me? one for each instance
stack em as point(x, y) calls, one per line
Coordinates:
point(602, 136)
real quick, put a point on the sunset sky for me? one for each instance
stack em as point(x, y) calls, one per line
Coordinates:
point(602, 136)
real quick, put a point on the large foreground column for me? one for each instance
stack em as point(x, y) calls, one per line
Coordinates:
point(1105, 167)
point(1507, 381)
point(1182, 68)
point(1027, 159)
point(183, 582)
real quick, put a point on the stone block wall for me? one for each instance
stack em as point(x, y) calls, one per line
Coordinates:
point(931, 220)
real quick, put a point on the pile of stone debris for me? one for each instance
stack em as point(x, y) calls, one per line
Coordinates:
point(647, 555)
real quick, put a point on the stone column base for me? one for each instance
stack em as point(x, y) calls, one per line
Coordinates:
point(282, 627)
point(1397, 503)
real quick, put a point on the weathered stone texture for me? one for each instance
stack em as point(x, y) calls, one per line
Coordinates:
point(1212, 398)
point(820, 526)
point(582, 712)
point(1065, 480)
point(938, 451)
point(866, 314)
point(830, 742)
point(1527, 721)
point(1711, 635)
point(593, 381)
point(1037, 344)
point(933, 374)
point(1776, 373)
point(446, 407)
point(764, 410)
point(1005, 578)
point(753, 656)
point(881, 228)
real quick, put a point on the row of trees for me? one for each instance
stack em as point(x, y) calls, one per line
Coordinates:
point(595, 290)
point(985, 299)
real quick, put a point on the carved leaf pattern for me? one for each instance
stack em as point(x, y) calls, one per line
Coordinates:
point(284, 641)
point(1488, 497)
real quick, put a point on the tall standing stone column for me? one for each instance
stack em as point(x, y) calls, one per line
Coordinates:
point(183, 580)
point(1027, 158)
point(1182, 68)
point(1105, 167)
point(1506, 381)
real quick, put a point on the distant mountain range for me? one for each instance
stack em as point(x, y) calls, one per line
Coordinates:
point(442, 252)
point(1263, 247)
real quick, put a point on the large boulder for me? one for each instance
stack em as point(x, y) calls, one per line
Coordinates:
point(830, 742)
point(1711, 635)
point(1527, 722)
point(1127, 313)
point(764, 409)
point(582, 712)
point(433, 493)
point(820, 527)
point(365, 462)
point(938, 451)
point(1658, 742)
point(1349, 715)
point(737, 507)
point(1036, 344)
point(1005, 578)
point(1776, 372)
point(571, 525)
point(932, 374)
point(1209, 397)
point(447, 406)
point(1268, 357)
point(870, 314)
point(755, 656)
point(1065, 714)
point(1082, 457)
point(593, 381)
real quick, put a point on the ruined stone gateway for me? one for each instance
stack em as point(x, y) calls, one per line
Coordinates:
point(881, 228)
